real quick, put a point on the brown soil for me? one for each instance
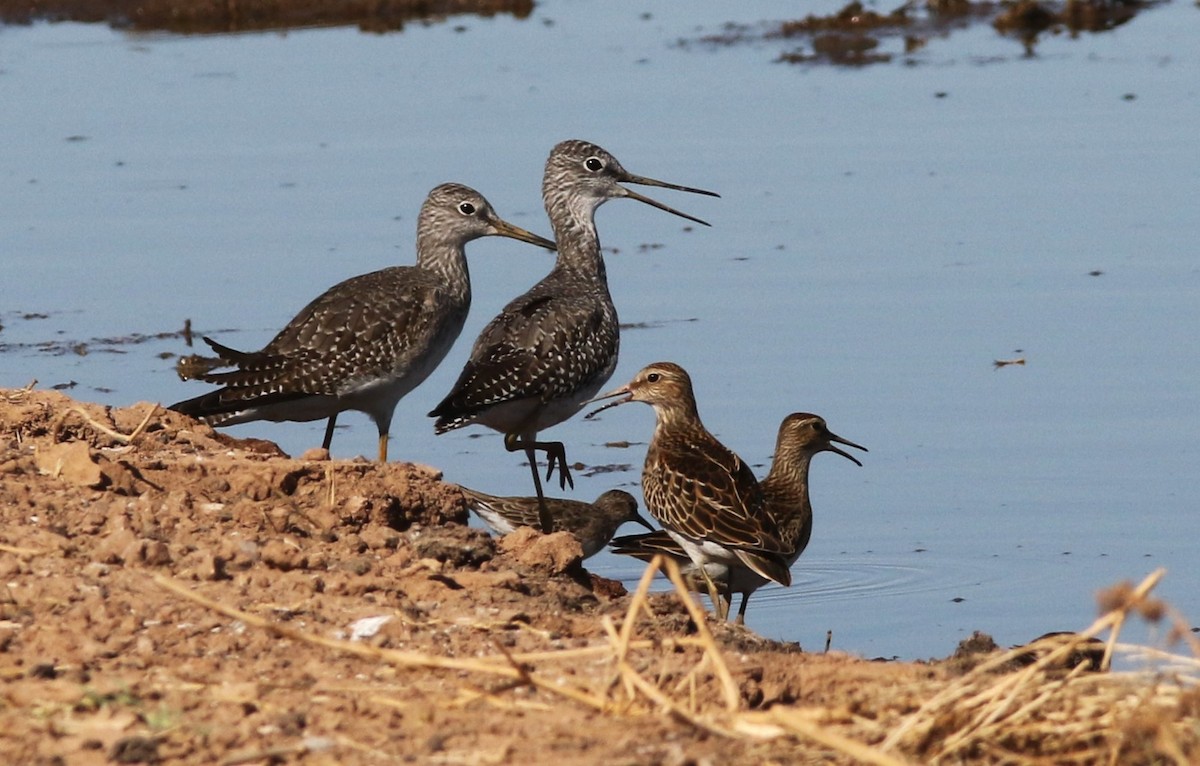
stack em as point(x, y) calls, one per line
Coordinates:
point(173, 595)
point(224, 16)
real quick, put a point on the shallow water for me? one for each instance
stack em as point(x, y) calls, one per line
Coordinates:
point(884, 234)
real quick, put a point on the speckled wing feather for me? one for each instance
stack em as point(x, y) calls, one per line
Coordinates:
point(217, 411)
point(513, 510)
point(794, 533)
point(717, 500)
point(544, 345)
point(646, 545)
point(359, 329)
point(593, 524)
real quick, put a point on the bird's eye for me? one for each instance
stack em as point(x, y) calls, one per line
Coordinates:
point(653, 377)
point(466, 208)
point(593, 164)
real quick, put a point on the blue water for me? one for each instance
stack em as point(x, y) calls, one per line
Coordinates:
point(884, 234)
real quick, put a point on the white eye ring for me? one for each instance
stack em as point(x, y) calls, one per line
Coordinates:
point(466, 208)
point(593, 164)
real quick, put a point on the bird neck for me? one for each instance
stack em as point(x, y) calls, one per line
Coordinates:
point(677, 418)
point(787, 481)
point(573, 219)
point(785, 491)
point(446, 259)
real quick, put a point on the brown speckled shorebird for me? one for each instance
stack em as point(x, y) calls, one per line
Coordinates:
point(551, 349)
point(704, 495)
point(592, 524)
point(785, 489)
point(366, 342)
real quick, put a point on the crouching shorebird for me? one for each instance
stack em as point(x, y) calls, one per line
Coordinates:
point(802, 435)
point(551, 349)
point(366, 342)
point(706, 498)
point(592, 524)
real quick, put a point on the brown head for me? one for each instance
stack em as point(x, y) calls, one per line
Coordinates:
point(580, 174)
point(663, 385)
point(622, 507)
point(803, 434)
point(453, 215)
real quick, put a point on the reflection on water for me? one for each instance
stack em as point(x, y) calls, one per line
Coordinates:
point(885, 234)
point(856, 36)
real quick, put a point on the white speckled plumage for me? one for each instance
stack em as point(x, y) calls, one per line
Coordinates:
point(552, 348)
point(367, 341)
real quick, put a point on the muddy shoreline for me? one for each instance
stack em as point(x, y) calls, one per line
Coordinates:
point(174, 595)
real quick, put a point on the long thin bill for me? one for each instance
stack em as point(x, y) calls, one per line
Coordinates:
point(637, 518)
point(644, 181)
point(506, 229)
point(608, 406)
point(848, 443)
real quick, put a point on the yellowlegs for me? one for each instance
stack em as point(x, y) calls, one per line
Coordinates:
point(704, 495)
point(552, 348)
point(785, 490)
point(366, 342)
point(592, 524)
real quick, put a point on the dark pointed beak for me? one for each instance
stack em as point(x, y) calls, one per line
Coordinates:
point(644, 181)
point(832, 437)
point(639, 519)
point(622, 391)
point(505, 229)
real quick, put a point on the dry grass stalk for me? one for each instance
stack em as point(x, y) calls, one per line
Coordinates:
point(116, 436)
point(733, 697)
point(1035, 715)
point(798, 722)
point(1040, 712)
point(403, 659)
point(619, 642)
point(508, 666)
point(22, 552)
point(1176, 664)
point(18, 394)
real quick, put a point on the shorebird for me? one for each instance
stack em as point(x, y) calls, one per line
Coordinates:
point(704, 496)
point(785, 490)
point(592, 524)
point(551, 349)
point(366, 342)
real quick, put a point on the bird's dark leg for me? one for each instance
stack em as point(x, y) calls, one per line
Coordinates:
point(514, 443)
point(741, 618)
point(329, 431)
point(543, 512)
point(556, 453)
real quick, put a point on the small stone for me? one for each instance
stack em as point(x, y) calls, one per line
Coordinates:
point(156, 553)
point(72, 462)
point(134, 750)
point(282, 556)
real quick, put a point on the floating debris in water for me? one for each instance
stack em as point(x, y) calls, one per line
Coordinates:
point(857, 35)
point(997, 364)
